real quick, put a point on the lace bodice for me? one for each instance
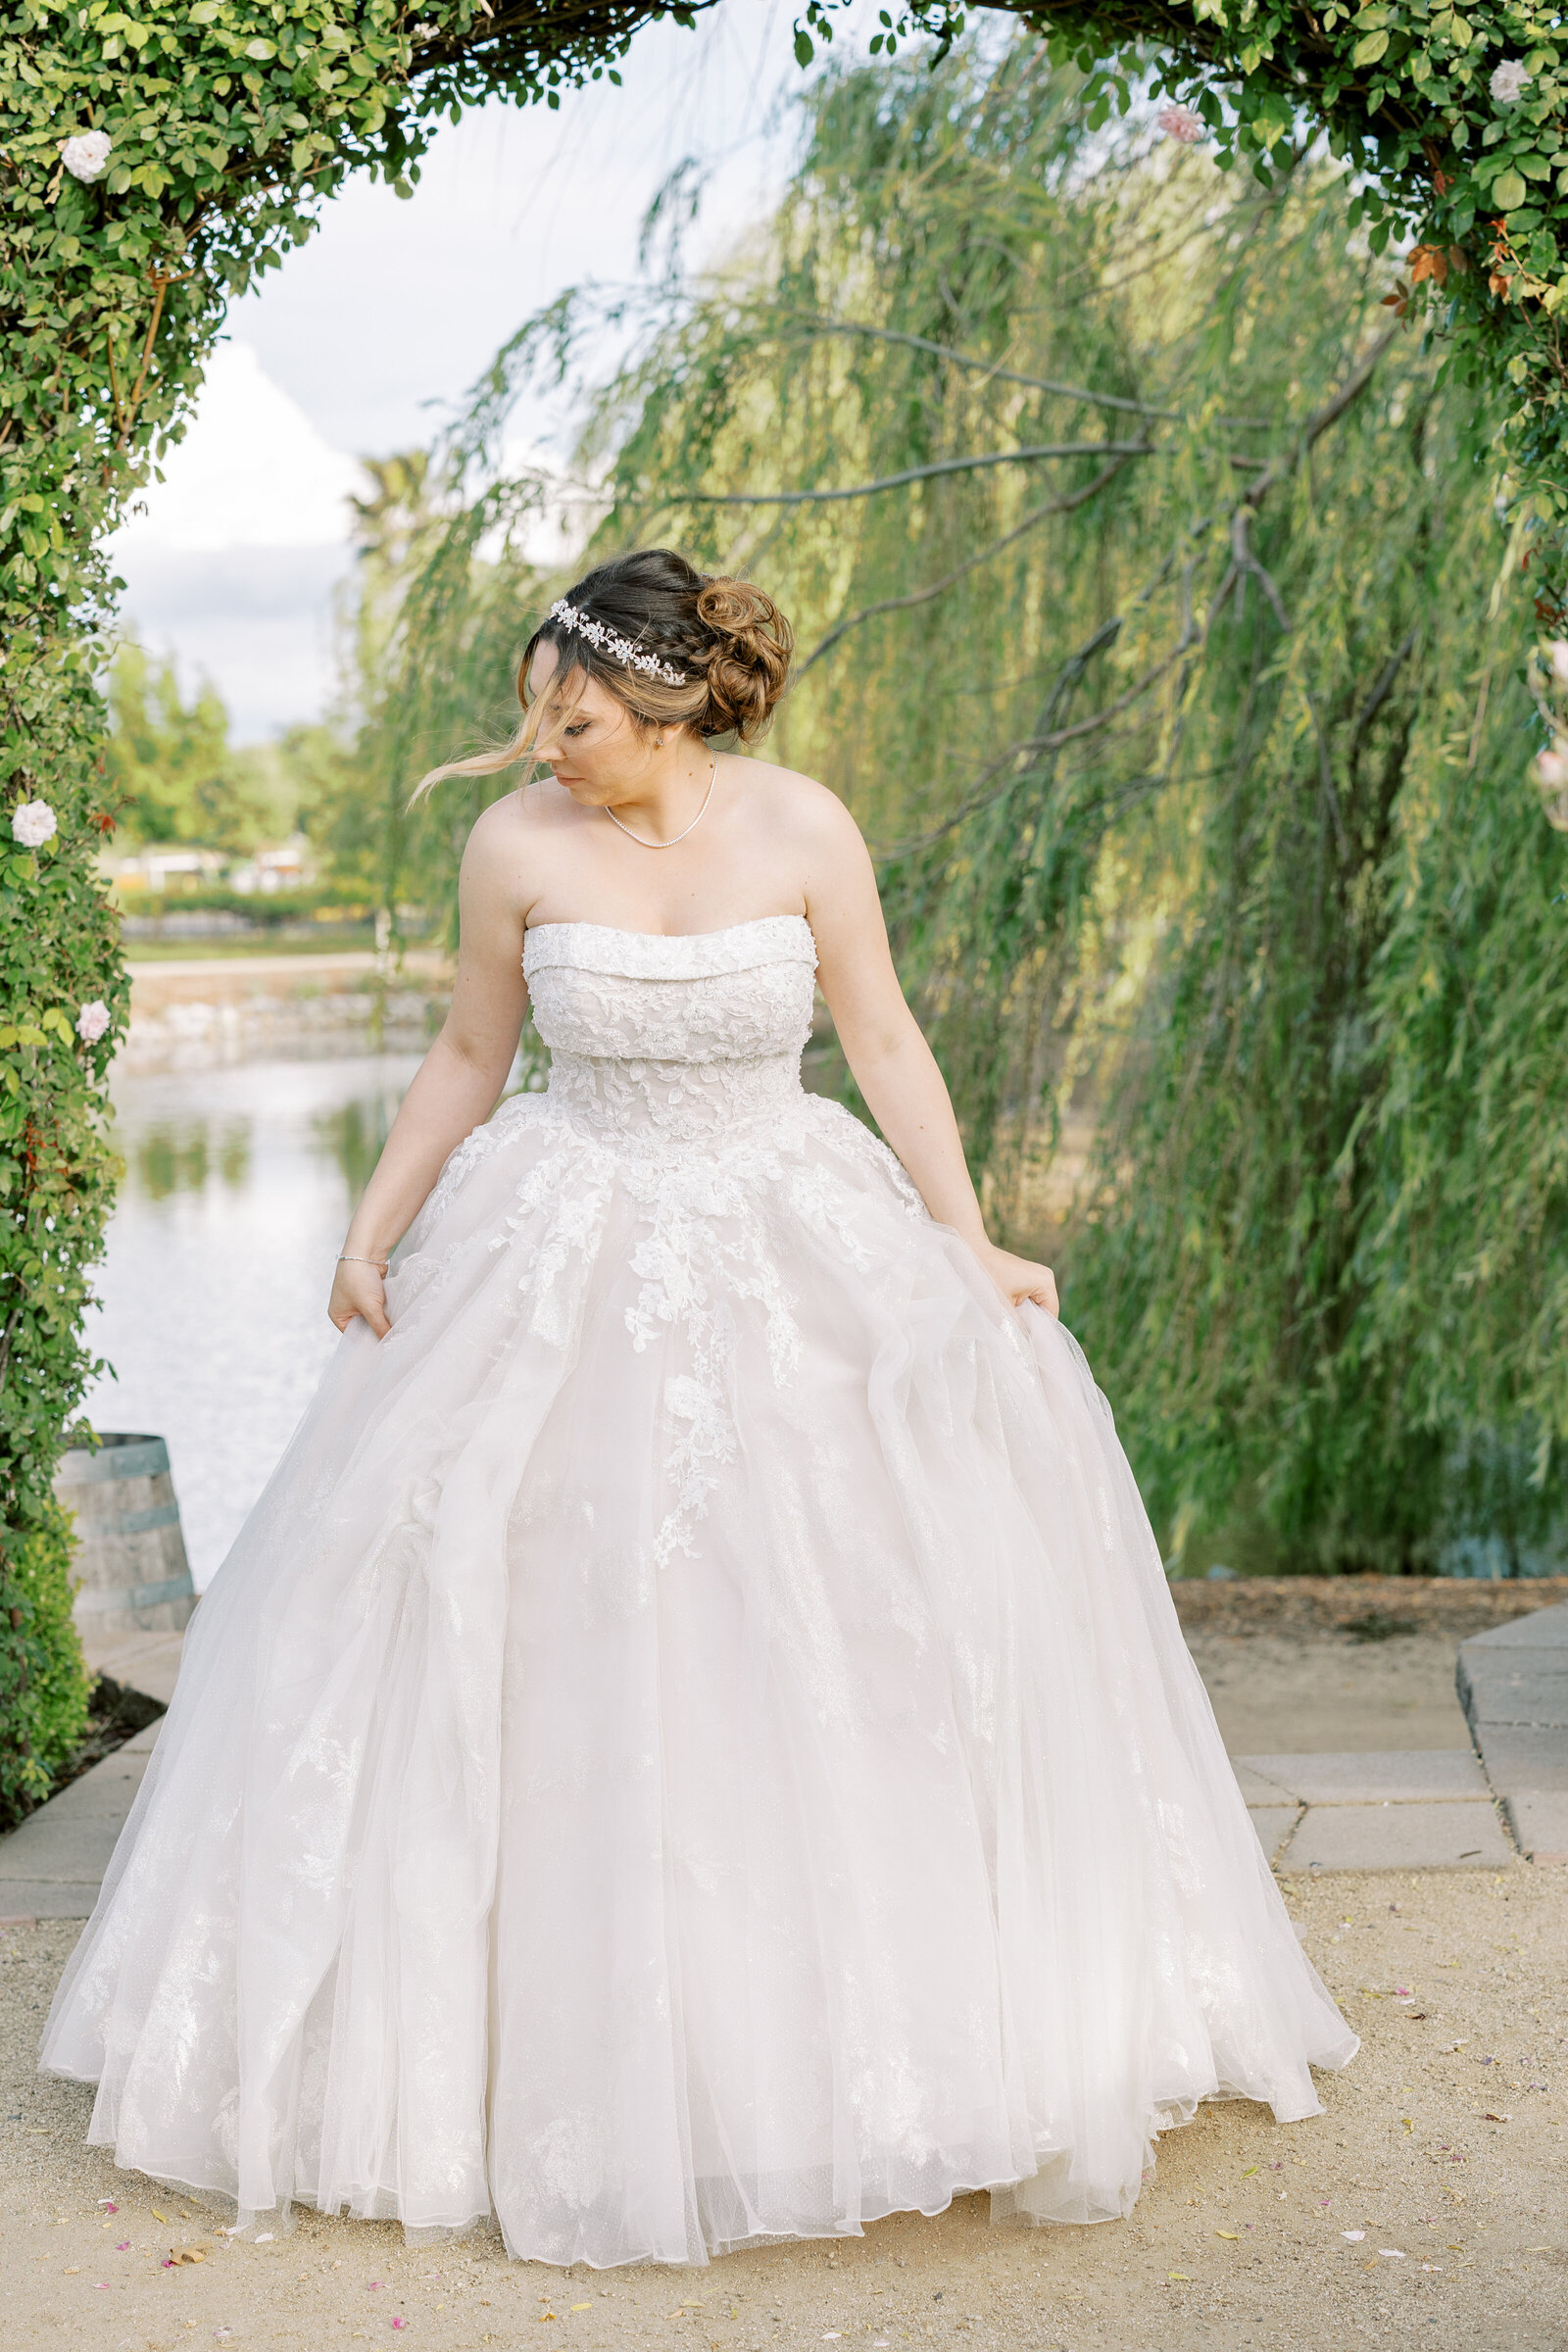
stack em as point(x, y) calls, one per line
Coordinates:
point(694, 1038)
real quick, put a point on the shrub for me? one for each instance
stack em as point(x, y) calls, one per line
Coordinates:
point(44, 1682)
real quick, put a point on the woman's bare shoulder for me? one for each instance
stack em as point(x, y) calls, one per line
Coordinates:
point(528, 814)
point(797, 807)
point(512, 842)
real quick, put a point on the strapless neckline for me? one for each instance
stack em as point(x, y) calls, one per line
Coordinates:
point(753, 922)
point(766, 940)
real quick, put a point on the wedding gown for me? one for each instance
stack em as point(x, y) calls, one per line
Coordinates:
point(694, 1742)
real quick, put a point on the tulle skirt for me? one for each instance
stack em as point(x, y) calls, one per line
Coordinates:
point(693, 1746)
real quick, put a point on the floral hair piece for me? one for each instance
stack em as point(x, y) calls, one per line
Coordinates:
point(610, 641)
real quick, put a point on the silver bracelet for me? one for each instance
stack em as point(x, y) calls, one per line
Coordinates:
point(348, 1259)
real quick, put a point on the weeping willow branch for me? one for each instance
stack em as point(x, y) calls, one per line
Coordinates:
point(924, 596)
point(1320, 1078)
point(991, 370)
point(914, 473)
point(983, 792)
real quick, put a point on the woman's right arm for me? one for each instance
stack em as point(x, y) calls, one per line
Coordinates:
point(458, 1081)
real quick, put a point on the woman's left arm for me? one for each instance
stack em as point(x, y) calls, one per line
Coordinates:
point(894, 1067)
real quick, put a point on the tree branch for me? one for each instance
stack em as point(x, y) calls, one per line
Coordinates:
point(923, 596)
point(986, 368)
point(910, 473)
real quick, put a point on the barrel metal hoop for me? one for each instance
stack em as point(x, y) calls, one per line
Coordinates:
point(138, 1523)
point(81, 1466)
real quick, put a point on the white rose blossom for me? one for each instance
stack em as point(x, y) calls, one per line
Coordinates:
point(1551, 768)
point(92, 1020)
point(1181, 124)
point(1509, 82)
point(86, 155)
point(32, 823)
point(1558, 650)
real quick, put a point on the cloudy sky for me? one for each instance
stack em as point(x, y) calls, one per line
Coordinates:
point(368, 335)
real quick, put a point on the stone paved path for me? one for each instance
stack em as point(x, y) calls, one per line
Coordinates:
point(1513, 1683)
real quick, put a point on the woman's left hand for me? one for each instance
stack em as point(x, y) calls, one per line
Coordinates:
point(1020, 1278)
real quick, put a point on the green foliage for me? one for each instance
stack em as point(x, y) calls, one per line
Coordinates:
point(57, 956)
point(1193, 762)
point(1407, 91)
point(44, 1682)
point(1455, 124)
point(171, 774)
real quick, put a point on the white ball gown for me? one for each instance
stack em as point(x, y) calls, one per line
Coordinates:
point(694, 1744)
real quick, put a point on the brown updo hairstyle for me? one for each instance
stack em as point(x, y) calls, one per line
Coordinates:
point(731, 643)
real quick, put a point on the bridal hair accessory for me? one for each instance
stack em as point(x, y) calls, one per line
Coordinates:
point(610, 641)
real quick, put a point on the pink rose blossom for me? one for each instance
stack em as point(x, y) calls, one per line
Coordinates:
point(92, 1020)
point(1181, 124)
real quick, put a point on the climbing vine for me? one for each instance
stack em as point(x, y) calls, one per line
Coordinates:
point(156, 158)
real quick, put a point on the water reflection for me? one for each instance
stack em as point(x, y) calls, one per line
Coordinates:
point(239, 1183)
point(178, 1158)
point(354, 1133)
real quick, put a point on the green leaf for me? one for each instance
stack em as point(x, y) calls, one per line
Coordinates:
point(1507, 191)
point(1369, 49)
point(804, 48)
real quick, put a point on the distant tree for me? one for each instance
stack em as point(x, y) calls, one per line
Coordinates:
point(172, 774)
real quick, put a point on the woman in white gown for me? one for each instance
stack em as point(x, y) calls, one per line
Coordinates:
point(694, 1744)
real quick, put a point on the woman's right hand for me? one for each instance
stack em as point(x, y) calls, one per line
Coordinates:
point(359, 1289)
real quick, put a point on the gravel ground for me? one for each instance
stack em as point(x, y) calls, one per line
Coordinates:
point(1404, 2215)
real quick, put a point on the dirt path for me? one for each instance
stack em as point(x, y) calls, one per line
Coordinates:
point(1239, 2240)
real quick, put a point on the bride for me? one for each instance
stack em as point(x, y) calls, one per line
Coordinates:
point(694, 1742)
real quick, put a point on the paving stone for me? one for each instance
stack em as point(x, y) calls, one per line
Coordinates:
point(25, 1901)
point(1255, 1786)
point(1399, 1837)
point(1543, 1629)
point(1403, 1776)
point(1519, 1758)
point(70, 1839)
point(147, 1662)
point(1541, 1825)
point(1514, 1685)
point(1274, 1824)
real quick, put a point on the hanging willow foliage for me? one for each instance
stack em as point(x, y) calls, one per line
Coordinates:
point(1157, 623)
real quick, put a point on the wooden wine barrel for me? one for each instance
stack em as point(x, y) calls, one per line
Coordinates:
point(130, 1553)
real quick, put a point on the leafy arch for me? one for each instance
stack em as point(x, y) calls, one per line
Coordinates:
point(157, 155)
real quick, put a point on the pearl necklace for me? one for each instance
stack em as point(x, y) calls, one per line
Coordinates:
point(643, 840)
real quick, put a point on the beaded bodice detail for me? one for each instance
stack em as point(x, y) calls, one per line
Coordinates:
point(692, 1038)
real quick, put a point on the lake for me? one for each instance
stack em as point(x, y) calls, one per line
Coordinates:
point(239, 1185)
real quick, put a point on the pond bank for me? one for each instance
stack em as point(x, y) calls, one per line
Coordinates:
point(195, 1012)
